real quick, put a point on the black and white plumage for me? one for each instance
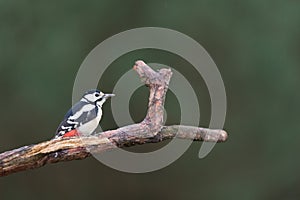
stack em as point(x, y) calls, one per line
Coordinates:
point(84, 117)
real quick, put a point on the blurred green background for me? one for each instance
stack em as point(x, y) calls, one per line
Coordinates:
point(256, 46)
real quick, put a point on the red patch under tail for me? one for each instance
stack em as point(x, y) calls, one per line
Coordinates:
point(72, 133)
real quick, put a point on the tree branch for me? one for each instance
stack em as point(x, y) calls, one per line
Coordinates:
point(150, 130)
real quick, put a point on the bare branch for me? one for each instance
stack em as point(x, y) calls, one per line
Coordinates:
point(150, 130)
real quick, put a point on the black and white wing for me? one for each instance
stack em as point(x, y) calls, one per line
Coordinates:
point(81, 113)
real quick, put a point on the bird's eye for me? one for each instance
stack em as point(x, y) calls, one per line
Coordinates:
point(97, 95)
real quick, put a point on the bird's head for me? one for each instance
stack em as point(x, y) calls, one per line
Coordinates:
point(96, 96)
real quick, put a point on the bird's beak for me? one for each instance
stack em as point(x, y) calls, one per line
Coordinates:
point(109, 95)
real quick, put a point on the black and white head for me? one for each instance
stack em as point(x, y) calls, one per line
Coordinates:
point(96, 97)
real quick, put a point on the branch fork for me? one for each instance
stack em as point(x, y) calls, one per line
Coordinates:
point(150, 130)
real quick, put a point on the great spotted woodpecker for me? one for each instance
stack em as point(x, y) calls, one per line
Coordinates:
point(84, 117)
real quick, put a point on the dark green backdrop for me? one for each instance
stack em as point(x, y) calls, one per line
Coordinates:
point(256, 46)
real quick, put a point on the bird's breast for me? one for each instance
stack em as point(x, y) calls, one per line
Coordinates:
point(89, 127)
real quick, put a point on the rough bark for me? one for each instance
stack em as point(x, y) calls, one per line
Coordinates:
point(150, 130)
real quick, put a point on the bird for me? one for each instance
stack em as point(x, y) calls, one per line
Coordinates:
point(83, 118)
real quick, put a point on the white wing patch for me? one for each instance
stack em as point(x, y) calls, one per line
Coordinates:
point(85, 108)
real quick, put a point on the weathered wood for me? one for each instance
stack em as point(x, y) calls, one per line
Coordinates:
point(150, 130)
